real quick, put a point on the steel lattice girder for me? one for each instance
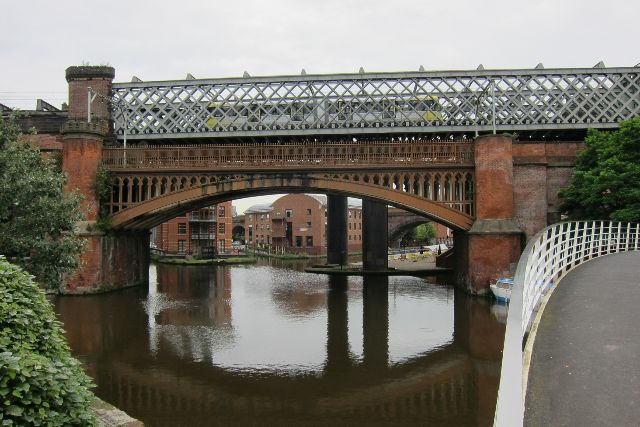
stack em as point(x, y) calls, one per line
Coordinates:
point(378, 103)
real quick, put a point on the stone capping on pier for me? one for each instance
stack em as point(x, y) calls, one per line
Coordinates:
point(98, 127)
point(89, 72)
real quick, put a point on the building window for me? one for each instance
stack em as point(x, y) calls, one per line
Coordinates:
point(221, 211)
point(221, 245)
point(308, 224)
point(360, 226)
point(349, 226)
point(182, 228)
point(221, 228)
point(349, 236)
point(349, 214)
point(309, 241)
point(308, 211)
point(261, 226)
point(288, 213)
point(298, 241)
point(182, 246)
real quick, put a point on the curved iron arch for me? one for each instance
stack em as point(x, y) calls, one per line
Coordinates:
point(154, 211)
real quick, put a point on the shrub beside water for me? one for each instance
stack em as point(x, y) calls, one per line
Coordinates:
point(40, 382)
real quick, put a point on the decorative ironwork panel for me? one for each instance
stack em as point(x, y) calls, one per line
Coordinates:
point(370, 103)
point(450, 187)
point(246, 157)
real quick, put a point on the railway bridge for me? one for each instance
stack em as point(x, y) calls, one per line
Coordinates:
point(144, 152)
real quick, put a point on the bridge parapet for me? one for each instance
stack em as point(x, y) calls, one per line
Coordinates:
point(316, 155)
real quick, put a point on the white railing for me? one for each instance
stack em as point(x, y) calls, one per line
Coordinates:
point(549, 256)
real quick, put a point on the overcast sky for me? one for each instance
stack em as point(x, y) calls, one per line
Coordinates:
point(165, 40)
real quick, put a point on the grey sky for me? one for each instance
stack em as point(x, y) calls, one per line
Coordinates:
point(165, 40)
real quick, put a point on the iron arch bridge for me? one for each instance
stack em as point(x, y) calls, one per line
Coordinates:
point(151, 185)
point(536, 102)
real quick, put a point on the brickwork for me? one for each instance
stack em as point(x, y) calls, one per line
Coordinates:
point(492, 245)
point(491, 256)
point(494, 177)
point(110, 262)
point(81, 156)
point(79, 79)
point(354, 228)
point(46, 142)
point(540, 171)
point(530, 198)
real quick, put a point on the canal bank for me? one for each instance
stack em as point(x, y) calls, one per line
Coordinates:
point(397, 267)
point(236, 259)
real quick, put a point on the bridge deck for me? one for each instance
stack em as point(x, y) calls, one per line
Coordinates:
point(584, 366)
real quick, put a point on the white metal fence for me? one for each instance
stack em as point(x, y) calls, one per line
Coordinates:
point(550, 255)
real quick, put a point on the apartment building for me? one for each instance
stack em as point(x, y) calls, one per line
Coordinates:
point(297, 223)
point(203, 232)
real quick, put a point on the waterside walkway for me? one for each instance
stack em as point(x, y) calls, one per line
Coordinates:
point(585, 363)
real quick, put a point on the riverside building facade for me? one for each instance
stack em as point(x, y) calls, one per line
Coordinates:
point(204, 232)
point(297, 223)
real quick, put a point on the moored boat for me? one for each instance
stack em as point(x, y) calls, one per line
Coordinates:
point(501, 289)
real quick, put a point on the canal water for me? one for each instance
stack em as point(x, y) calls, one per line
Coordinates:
point(271, 345)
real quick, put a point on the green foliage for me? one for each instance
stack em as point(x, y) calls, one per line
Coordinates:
point(40, 382)
point(103, 191)
point(37, 219)
point(424, 232)
point(606, 181)
point(9, 131)
point(421, 233)
point(103, 184)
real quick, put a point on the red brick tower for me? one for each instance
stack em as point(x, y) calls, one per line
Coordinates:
point(110, 260)
point(493, 244)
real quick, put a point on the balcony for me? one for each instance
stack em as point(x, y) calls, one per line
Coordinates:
point(203, 218)
point(203, 236)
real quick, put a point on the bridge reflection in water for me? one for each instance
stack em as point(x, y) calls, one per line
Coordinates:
point(270, 346)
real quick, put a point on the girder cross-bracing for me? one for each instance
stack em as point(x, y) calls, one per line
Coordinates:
point(437, 102)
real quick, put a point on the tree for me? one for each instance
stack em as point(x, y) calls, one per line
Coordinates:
point(37, 218)
point(424, 232)
point(40, 382)
point(420, 233)
point(606, 180)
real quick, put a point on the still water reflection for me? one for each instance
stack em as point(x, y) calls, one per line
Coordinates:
point(272, 345)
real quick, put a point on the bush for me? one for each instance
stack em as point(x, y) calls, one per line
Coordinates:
point(40, 382)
